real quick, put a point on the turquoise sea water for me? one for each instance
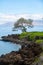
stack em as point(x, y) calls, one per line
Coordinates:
point(6, 47)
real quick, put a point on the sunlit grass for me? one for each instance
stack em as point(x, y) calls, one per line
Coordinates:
point(39, 41)
point(31, 35)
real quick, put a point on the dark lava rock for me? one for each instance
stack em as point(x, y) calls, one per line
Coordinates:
point(25, 56)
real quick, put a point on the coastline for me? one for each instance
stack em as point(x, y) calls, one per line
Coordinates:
point(25, 56)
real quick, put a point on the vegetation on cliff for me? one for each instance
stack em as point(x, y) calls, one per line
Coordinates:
point(39, 41)
point(32, 36)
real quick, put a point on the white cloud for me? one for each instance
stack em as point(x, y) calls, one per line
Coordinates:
point(8, 17)
point(30, 16)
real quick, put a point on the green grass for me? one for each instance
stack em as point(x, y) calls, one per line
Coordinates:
point(39, 41)
point(31, 35)
point(22, 35)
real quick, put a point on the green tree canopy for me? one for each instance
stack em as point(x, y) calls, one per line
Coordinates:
point(22, 24)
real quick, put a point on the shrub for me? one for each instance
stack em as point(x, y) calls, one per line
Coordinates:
point(39, 41)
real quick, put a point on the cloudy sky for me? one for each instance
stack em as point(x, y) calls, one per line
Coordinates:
point(11, 10)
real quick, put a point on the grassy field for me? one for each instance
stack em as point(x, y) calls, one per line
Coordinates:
point(32, 36)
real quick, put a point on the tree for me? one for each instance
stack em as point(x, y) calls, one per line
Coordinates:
point(22, 24)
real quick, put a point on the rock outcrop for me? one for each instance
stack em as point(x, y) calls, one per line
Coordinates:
point(15, 39)
point(25, 56)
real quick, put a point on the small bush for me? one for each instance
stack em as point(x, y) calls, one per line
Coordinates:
point(39, 41)
point(22, 35)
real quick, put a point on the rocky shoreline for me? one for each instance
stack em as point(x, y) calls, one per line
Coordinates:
point(15, 39)
point(25, 56)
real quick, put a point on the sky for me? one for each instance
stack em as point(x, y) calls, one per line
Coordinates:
point(11, 10)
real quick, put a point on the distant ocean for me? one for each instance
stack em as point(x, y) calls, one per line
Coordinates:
point(6, 28)
point(36, 28)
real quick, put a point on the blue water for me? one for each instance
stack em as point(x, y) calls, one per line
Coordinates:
point(6, 47)
point(36, 28)
point(5, 30)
